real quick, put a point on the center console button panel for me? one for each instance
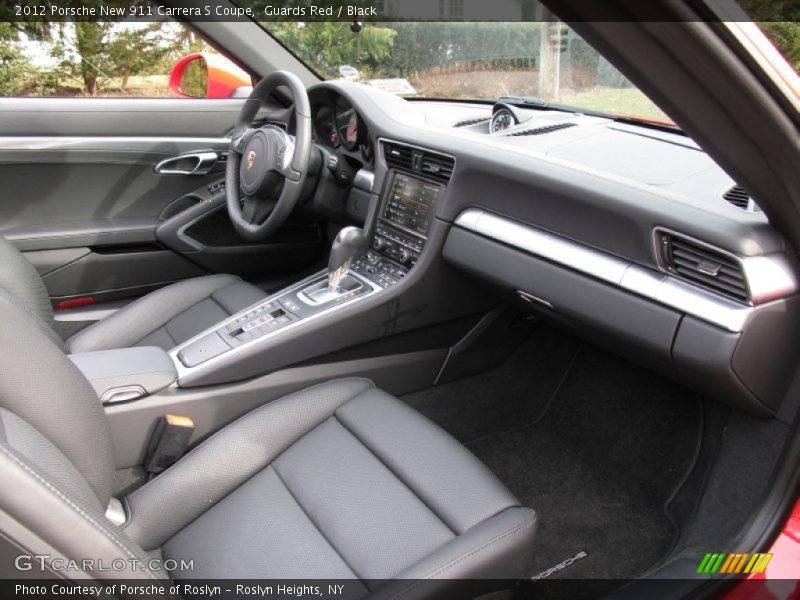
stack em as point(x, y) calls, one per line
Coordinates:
point(258, 321)
point(379, 270)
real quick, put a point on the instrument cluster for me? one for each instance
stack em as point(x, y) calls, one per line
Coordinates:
point(337, 125)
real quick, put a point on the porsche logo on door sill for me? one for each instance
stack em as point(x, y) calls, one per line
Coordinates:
point(251, 158)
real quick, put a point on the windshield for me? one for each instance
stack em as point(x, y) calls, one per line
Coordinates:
point(465, 60)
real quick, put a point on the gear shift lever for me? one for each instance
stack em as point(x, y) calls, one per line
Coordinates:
point(344, 249)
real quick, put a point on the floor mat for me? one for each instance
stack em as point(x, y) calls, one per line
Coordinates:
point(513, 394)
point(597, 448)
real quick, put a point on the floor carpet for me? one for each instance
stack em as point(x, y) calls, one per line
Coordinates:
point(594, 444)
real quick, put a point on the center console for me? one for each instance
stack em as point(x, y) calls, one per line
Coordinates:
point(398, 237)
point(401, 230)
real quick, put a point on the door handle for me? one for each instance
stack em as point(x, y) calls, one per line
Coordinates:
point(192, 163)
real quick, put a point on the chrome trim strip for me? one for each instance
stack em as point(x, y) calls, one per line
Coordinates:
point(205, 162)
point(115, 512)
point(124, 393)
point(767, 277)
point(653, 285)
point(99, 142)
point(364, 180)
point(545, 245)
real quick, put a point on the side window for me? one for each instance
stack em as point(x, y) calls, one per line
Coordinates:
point(113, 59)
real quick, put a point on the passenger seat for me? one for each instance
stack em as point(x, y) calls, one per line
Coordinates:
point(337, 481)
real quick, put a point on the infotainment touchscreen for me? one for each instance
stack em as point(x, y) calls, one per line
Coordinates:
point(410, 203)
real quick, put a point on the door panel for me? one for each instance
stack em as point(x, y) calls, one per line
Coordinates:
point(56, 181)
point(81, 199)
point(136, 117)
point(109, 274)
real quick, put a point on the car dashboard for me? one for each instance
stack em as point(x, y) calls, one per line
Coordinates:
point(630, 235)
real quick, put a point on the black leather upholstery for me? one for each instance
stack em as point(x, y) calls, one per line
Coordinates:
point(164, 318)
point(336, 481)
point(20, 279)
point(355, 483)
point(169, 316)
point(39, 384)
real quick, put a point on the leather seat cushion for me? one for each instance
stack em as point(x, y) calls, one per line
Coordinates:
point(338, 481)
point(169, 316)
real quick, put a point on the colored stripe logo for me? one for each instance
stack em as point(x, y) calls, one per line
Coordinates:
point(727, 563)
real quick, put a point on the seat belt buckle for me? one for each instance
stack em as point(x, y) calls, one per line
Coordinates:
point(168, 443)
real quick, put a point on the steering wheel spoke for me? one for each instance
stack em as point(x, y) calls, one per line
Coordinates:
point(256, 210)
point(249, 206)
point(284, 152)
point(239, 142)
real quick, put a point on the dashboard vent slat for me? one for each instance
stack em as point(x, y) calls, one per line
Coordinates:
point(432, 165)
point(741, 198)
point(542, 130)
point(438, 167)
point(702, 265)
point(397, 156)
point(475, 121)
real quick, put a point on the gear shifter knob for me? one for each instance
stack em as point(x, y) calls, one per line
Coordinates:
point(346, 246)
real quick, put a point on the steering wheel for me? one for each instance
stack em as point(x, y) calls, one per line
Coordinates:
point(266, 166)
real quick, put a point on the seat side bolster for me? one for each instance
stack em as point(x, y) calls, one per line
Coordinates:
point(129, 325)
point(40, 324)
point(230, 457)
point(499, 548)
point(19, 278)
point(54, 518)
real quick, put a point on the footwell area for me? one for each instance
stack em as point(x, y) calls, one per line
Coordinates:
point(594, 444)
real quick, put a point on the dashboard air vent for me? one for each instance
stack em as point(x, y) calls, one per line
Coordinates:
point(432, 165)
point(397, 156)
point(437, 166)
point(740, 198)
point(543, 129)
point(475, 121)
point(703, 265)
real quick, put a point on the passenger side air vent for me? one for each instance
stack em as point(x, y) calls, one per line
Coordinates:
point(469, 122)
point(703, 265)
point(541, 130)
point(740, 198)
point(432, 165)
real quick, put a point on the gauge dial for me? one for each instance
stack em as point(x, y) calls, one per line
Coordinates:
point(501, 120)
point(324, 128)
point(347, 124)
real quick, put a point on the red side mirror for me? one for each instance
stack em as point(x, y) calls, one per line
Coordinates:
point(207, 75)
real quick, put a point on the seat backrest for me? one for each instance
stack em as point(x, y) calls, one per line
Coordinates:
point(19, 278)
point(56, 453)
